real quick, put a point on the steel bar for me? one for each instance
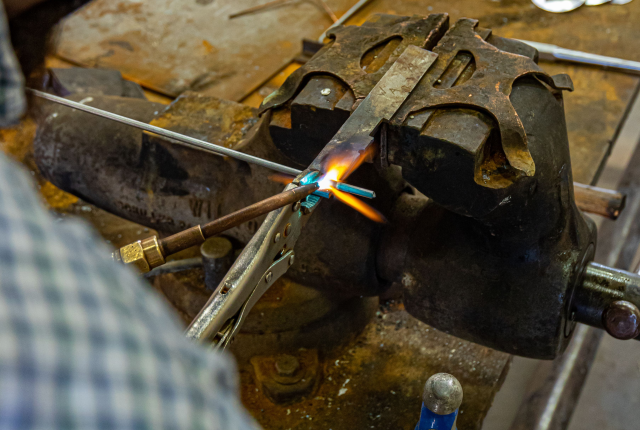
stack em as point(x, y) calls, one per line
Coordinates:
point(186, 239)
point(348, 14)
point(186, 140)
point(555, 53)
point(356, 135)
point(190, 141)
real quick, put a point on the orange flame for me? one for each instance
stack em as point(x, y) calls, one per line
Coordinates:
point(359, 205)
point(338, 167)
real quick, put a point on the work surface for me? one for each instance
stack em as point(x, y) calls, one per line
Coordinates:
point(593, 111)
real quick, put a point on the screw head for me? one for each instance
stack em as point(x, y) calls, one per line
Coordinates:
point(276, 238)
point(292, 258)
point(269, 277)
point(287, 230)
point(287, 365)
point(621, 319)
point(326, 91)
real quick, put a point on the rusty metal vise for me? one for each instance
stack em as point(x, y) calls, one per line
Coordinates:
point(473, 172)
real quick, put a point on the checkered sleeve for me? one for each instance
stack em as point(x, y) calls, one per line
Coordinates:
point(12, 99)
point(85, 344)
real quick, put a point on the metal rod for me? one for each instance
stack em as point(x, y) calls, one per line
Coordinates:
point(186, 239)
point(257, 8)
point(190, 141)
point(555, 53)
point(346, 188)
point(348, 14)
point(186, 140)
point(328, 10)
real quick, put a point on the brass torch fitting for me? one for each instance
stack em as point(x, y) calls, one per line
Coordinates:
point(144, 254)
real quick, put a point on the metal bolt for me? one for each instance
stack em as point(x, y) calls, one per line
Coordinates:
point(276, 238)
point(621, 319)
point(287, 365)
point(296, 206)
point(269, 277)
point(326, 91)
point(442, 394)
point(287, 230)
point(291, 260)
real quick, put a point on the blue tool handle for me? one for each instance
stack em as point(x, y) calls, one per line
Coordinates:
point(430, 420)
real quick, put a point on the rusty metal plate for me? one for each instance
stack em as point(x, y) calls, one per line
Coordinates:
point(175, 45)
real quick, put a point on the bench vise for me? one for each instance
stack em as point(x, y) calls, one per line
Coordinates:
point(473, 172)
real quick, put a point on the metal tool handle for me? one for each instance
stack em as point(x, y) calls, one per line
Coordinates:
point(266, 257)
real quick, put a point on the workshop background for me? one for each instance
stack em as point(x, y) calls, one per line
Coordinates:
point(229, 50)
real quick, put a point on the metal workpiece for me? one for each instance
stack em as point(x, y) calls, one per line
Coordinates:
point(350, 66)
point(608, 298)
point(355, 137)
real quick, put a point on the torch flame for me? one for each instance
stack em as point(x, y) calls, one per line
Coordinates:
point(338, 167)
point(359, 205)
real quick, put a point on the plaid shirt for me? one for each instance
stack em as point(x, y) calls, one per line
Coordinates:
point(12, 100)
point(84, 343)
